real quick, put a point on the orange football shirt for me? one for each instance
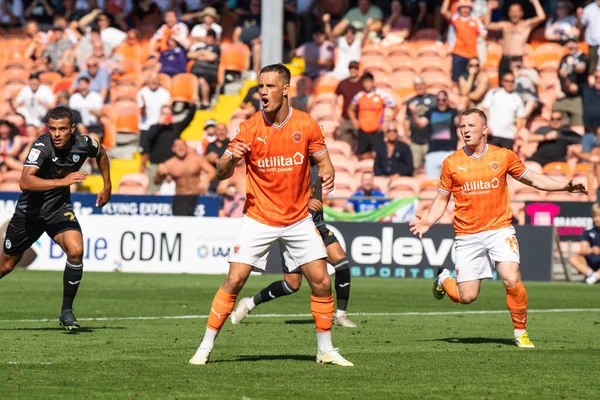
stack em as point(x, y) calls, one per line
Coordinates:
point(467, 30)
point(479, 188)
point(278, 166)
point(371, 108)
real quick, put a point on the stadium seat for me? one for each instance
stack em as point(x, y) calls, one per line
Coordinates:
point(138, 179)
point(341, 164)
point(428, 189)
point(424, 46)
point(184, 87)
point(374, 63)
point(128, 119)
point(128, 79)
point(131, 188)
point(405, 48)
point(399, 62)
point(64, 84)
point(405, 181)
point(11, 176)
point(338, 146)
point(323, 111)
point(341, 196)
point(494, 54)
point(581, 169)
point(164, 80)
point(548, 71)
point(235, 57)
point(364, 166)
point(564, 196)
point(123, 92)
point(345, 180)
point(10, 187)
point(130, 66)
point(381, 183)
point(547, 52)
point(330, 127)
point(533, 166)
point(436, 79)
point(14, 75)
point(374, 49)
point(402, 79)
point(432, 62)
point(325, 84)
point(50, 78)
point(527, 193)
point(557, 169)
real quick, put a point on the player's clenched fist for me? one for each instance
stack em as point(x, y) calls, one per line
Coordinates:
point(239, 149)
point(74, 177)
point(326, 182)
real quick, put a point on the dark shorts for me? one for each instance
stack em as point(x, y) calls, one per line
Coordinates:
point(459, 66)
point(369, 141)
point(23, 232)
point(593, 261)
point(185, 205)
point(97, 129)
point(329, 238)
point(593, 60)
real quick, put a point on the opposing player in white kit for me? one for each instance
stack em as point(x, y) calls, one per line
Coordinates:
point(475, 176)
point(276, 144)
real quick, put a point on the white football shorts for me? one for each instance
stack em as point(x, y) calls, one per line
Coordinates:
point(300, 243)
point(477, 254)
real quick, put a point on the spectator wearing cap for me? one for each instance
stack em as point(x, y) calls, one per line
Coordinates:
point(572, 74)
point(59, 48)
point(589, 19)
point(591, 116)
point(348, 88)
point(467, 29)
point(156, 143)
point(365, 16)
point(318, 54)
point(89, 104)
point(151, 98)
point(34, 101)
point(171, 29)
point(99, 78)
point(420, 104)
point(209, 18)
point(397, 27)
point(348, 48)
point(206, 56)
point(505, 110)
point(209, 136)
point(367, 112)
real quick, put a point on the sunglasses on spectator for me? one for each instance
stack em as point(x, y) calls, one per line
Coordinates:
point(442, 99)
point(556, 119)
point(508, 80)
point(92, 65)
point(474, 65)
point(391, 131)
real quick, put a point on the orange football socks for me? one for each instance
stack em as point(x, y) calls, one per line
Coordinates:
point(451, 288)
point(322, 310)
point(222, 306)
point(516, 299)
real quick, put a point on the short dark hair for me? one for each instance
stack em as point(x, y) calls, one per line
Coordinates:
point(477, 111)
point(211, 32)
point(506, 73)
point(84, 79)
point(281, 69)
point(34, 75)
point(367, 76)
point(317, 29)
point(171, 10)
point(61, 112)
point(516, 58)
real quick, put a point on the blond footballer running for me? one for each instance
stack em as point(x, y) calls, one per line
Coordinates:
point(475, 176)
point(277, 144)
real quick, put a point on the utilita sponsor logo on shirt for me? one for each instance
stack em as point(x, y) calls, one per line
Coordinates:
point(280, 163)
point(480, 187)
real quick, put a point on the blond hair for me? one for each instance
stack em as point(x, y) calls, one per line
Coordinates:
point(595, 209)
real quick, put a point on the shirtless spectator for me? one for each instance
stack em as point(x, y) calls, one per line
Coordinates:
point(473, 85)
point(192, 175)
point(515, 31)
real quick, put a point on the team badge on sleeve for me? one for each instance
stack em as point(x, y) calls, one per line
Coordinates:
point(34, 154)
point(94, 143)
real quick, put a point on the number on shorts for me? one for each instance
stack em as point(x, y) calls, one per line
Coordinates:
point(513, 243)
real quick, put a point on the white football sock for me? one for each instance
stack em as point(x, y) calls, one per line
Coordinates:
point(209, 339)
point(250, 303)
point(340, 313)
point(324, 344)
point(519, 332)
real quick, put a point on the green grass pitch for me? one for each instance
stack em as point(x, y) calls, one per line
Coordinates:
point(450, 354)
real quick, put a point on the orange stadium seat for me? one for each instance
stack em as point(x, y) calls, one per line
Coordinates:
point(330, 127)
point(581, 169)
point(344, 180)
point(323, 111)
point(527, 193)
point(374, 62)
point(428, 189)
point(381, 183)
point(533, 166)
point(433, 63)
point(184, 87)
point(11, 176)
point(547, 52)
point(564, 196)
point(402, 79)
point(341, 164)
point(399, 62)
point(50, 78)
point(10, 75)
point(342, 195)
point(164, 80)
point(124, 92)
point(405, 182)
point(403, 48)
point(235, 57)
point(437, 80)
point(424, 46)
point(130, 66)
point(494, 54)
point(426, 34)
point(557, 169)
point(128, 119)
point(128, 79)
point(374, 49)
point(325, 84)
point(135, 179)
point(364, 166)
point(338, 146)
point(64, 84)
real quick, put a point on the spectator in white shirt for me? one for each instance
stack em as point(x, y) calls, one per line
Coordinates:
point(349, 48)
point(89, 104)
point(505, 111)
point(110, 35)
point(151, 98)
point(209, 17)
point(171, 28)
point(34, 101)
point(590, 19)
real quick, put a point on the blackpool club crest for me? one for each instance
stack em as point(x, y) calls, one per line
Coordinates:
point(297, 137)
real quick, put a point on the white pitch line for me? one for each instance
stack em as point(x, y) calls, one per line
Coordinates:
point(367, 314)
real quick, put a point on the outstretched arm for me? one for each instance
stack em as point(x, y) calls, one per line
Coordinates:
point(540, 15)
point(421, 225)
point(543, 182)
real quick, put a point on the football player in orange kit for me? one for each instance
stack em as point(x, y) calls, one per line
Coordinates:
point(277, 144)
point(475, 176)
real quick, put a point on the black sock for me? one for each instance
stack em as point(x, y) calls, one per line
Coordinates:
point(342, 284)
point(71, 279)
point(273, 291)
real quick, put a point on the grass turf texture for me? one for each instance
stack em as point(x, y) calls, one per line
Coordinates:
point(467, 356)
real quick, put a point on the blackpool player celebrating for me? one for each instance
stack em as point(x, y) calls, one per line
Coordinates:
point(45, 205)
point(476, 176)
point(276, 144)
point(292, 280)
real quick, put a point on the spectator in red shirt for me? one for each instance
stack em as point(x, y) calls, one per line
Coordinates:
point(348, 89)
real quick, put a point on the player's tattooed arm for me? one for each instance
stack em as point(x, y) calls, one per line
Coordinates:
point(326, 171)
point(543, 182)
point(228, 161)
point(104, 166)
point(31, 182)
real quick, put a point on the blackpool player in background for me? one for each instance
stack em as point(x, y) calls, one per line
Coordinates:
point(475, 176)
point(50, 169)
point(276, 144)
point(292, 280)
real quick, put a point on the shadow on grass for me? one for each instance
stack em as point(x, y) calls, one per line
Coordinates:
point(275, 322)
point(80, 330)
point(281, 357)
point(474, 340)
point(300, 322)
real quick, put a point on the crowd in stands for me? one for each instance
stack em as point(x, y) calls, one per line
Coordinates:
point(385, 79)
